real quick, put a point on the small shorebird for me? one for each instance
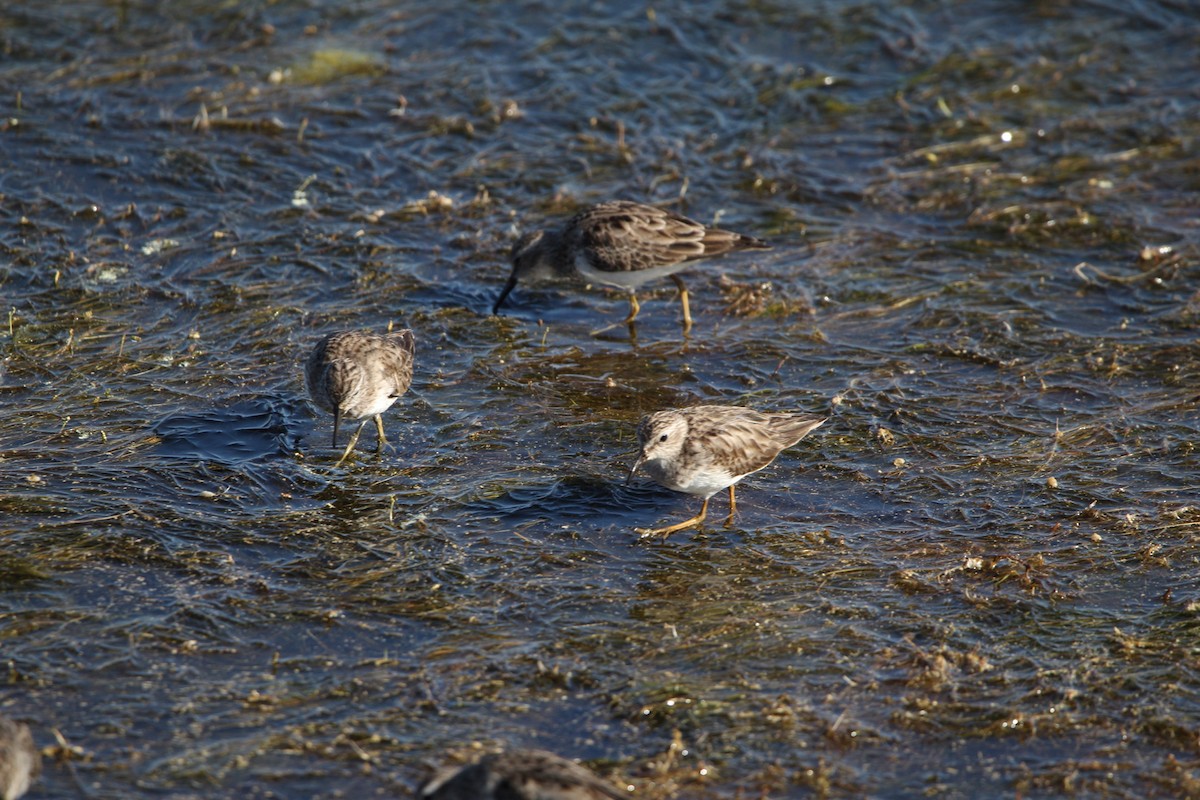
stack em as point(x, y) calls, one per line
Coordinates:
point(359, 375)
point(20, 761)
point(622, 244)
point(521, 775)
point(704, 449)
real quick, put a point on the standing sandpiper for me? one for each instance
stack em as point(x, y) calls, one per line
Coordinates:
point(359, 375)
point(704, 449)
point(622, 244)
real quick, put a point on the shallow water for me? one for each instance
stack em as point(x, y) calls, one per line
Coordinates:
point(977, 579)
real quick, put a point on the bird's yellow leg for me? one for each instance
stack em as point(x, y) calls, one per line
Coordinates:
point(732, 507)
point(350, 447)
point(667, 531)
point(634, 308)
point(383, 439)
point(683, 301)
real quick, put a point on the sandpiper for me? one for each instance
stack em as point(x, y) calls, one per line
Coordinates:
point(359, 375)
point(704, 449)
point(622, 244)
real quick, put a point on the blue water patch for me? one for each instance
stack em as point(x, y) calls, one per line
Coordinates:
point(247, 431)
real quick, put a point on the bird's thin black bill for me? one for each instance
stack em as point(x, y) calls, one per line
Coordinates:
point(508, 287)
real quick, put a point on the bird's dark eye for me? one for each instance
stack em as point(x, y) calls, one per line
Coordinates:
point(662, 438)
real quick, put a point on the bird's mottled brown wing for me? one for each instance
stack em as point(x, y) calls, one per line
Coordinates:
point(627, 237)
point(401, 347)
point(718, 242)
point(316, 374)
point(737, 440)
point(745, 441)
point(791, 428)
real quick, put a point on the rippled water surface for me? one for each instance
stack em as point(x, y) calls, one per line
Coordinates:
point(978, 579)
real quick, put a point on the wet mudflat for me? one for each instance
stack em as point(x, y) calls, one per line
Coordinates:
point(978, 578)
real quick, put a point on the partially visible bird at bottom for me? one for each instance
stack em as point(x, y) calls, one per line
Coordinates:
point(703, 449)
point(359, 375)
point(521, 775)
point(20, 761)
